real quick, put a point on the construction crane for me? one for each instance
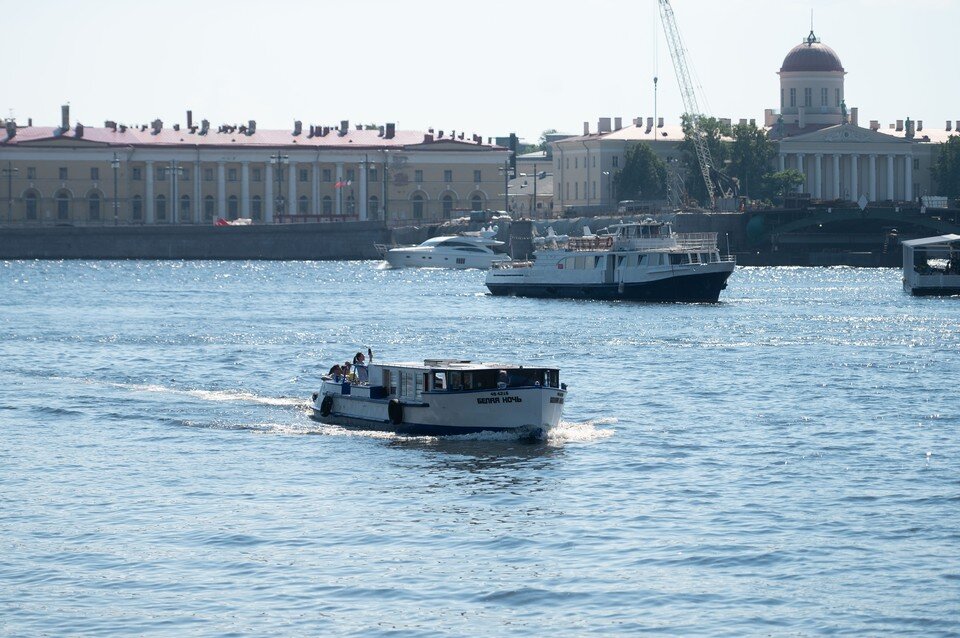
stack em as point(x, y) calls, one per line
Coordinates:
point(689, 98)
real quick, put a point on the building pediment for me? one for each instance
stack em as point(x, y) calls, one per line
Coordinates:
point(846, 133)
point(60, 141)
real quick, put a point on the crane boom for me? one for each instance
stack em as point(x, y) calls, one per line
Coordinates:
point(687, 93)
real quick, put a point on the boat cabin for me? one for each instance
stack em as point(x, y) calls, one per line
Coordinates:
point(410, 381)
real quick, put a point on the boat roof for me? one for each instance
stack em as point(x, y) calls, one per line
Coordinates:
point(928, 241)
point(469, 239)
point(457, 364)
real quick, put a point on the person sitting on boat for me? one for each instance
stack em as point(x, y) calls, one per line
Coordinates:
point(348, 375)
point(358, 359)
point(335, 373)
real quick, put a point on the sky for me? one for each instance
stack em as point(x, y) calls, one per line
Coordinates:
point(490, 67)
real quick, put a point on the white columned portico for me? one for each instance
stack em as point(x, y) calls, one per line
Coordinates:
point(315, 189)
point(890, 177)
point(174, 176)
point(268, 203)
point(197, 215)
point(873, 177)
point(245, 189)
point(292, 203)
point(908, 177)
point(836, 176)
point(854, 177)
point(364, 169)
point(783, 162)
point(818, 176)
point(222, 190)
point(339, 189)
point(148, 176)
point(804, 188)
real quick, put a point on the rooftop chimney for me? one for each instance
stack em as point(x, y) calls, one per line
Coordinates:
point(919, 125)
point(11, 129)
point(603, 126)
point(251, 127)
point(297, 127)
point(344, 127)
point(391, 131)
point(110, 124)
point(649, 125)
point(899, 125)
point(79, 130)
point(874, 125)
point(957, 127)
point(949, 124)
point(65, 117)
point(586, 128)
point(157, 126)
point(617, 123)
point(909, 127)
point(855, 116)
point(204, 126)
point(189, 119)
point(312, 131)
point(659, 122)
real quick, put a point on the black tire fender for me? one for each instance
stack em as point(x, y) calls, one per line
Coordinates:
point(395, 412)
point(326, 405)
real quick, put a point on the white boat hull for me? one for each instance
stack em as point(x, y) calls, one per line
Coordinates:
point(419, 258)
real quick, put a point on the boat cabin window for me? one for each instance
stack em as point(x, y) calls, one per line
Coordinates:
point(439, 380)
point(676, 258)
point(390, 381)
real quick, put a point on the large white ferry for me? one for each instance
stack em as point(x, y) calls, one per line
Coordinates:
point(443, 397)
point(642, 261)
point(469, 250)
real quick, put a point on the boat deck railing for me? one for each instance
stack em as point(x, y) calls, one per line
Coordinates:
point(698, 242)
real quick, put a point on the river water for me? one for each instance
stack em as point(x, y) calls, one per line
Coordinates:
point(785, 462)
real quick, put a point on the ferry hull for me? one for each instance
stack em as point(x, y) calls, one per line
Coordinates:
point(691, 288)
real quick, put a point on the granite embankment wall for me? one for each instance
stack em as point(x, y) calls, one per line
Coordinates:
point(347, 240)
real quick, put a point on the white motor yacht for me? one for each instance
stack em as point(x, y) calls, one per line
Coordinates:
point(469, 250)
point(642, 261)
point(443, 397)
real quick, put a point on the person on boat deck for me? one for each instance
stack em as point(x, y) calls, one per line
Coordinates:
point(348, 375)
point(335, 372)
point(358, 359)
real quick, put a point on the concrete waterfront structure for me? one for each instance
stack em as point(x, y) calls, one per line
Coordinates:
point(193, 174)
point(814, 131)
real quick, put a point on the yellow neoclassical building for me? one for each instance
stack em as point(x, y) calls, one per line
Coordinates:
point(197, 173)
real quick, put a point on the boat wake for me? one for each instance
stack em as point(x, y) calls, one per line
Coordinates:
point(219, 396)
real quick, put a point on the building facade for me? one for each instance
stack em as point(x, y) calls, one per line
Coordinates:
point(73, 174)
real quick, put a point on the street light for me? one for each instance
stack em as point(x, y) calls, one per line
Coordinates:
point(505, 169)
point(278, 161)
point(175, 170)
point(115, 163)
point(609, 187)
point(9, 171)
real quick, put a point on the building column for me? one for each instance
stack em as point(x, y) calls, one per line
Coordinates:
point(854, 177)
point(315, 188)
point(174, 208)
point(268, 203)
point(783, 162)
point(148, 176)
point(800, 168)
point(339, 191)
point(197, 215)
point(873, 177)
point(245, 189)
point(908, 178)
point(836, 176)
point(222, 190)
point(818, 176)
point(291, 207)
point(890, 177)
point(364, 169)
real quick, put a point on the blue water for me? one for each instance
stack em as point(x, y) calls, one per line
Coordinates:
point(785, 462)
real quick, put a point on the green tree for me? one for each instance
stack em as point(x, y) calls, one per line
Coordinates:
point(543, 138)
point(946, 169)
point(715, 131)
point(644, 175)
point(782, 182)
point(751, 154)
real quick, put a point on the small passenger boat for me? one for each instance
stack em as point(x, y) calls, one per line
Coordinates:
point(443, 397)
point(468, 250)
point(640, 261)
point(931, 266)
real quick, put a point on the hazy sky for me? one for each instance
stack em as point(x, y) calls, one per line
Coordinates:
point(488, 67)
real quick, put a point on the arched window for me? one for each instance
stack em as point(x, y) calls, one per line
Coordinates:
point(256, 207)
point(209, 208)
point(476, 202)
point(93, 207)
point(373, 207)
point(327, 205)
point(161, 208)
point(303, 205)
point(63, 205)
point(136, 208)
point(185, 215)
point(32, 204)
point(447, 205)
point(233, 207)
point(418, 206)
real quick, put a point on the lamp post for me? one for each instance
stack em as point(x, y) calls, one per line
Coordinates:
point(9, 171)
point(505, 169)
point(278, 161)
point(115, 163)
point(609, 187)
point(536, 176)
point(175, 170)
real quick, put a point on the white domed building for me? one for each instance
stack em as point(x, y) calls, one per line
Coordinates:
point(840, 159)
